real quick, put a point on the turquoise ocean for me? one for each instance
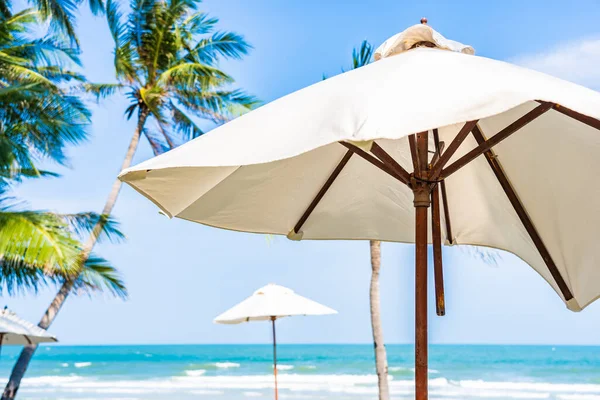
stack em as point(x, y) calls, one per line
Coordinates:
point(305, 372)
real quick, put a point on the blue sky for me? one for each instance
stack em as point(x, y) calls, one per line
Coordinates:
point(181, 275)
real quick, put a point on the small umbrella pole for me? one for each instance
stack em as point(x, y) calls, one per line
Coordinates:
point(274, 355)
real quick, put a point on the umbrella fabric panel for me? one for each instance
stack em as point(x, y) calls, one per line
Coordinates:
point(11, 339)
point(545, 163)
point(553, 165)
point(270, 198)
point(412, 92)
point(267, 197)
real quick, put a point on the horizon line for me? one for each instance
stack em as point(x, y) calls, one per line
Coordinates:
point(59, 344)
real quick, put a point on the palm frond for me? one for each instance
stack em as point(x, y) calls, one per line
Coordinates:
point(102, 90)
point(36, 238)
point(97, 7)
point(124, 64)
point(218, 106)
point(198, 23)
point(157, 141)
point(362, 56)
point(220, 44)
point(84, 223)
point(17, 277)
point(184, 124)
point(487, 255)
point(98, 275)
point(192, 74)
point(61, 14)
point(13, 174)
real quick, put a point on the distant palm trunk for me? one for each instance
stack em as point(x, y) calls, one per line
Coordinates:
point(10, 391)
point(380, 353)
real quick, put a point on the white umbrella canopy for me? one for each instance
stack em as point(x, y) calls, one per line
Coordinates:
point(17, 331)
point(504, 157)
point(260, 172)
point(272, 302)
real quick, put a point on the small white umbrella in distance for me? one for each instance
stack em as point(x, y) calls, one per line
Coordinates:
point(268, 304)
point(272, 301)
point(14, 330)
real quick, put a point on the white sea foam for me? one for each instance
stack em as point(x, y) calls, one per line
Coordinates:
point(82, 364)
point(227, 365)
point(399, 369)
point(195, 372)
point(283, 367)
point(253, 394)
point(207, 392)
point(51, 380)
point(532, 386)
point(64, 365)
point(196, 381)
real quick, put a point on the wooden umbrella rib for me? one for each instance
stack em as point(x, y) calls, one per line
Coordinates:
point(589, 121)
point(373, 160)
point(422, 153)
point(389, 160)
point(323, 190)
point(412, 143)
point(523, 216)
point(439, 149)
point(497, 138)
point(449, 236)
point(436, 234)
point(454, 145)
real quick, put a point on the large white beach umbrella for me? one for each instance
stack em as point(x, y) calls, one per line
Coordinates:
point(14, 330)
point(268, 304)
point(506, 157)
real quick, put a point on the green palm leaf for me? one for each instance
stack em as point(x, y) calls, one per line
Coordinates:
point(98, 275)
point(36, 238)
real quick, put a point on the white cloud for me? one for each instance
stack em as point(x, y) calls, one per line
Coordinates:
point(577, 61)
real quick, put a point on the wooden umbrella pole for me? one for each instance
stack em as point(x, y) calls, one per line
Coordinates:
point(422, 200)
point(421, 304)
point(275, 356)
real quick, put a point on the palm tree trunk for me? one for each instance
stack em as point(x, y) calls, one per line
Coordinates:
point(380, 354)
point(10, 391)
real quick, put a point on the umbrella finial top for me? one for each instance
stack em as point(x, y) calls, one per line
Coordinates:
point(419, 35)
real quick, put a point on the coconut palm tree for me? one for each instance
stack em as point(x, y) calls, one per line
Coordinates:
point(166, 61)
point(361, 57)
